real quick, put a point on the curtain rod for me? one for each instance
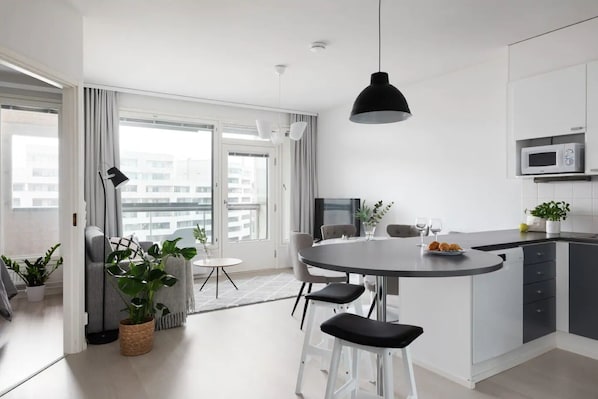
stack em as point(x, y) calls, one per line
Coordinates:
point(194, 99)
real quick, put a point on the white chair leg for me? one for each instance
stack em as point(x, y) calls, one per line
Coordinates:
point(306, 340)
point(408, 369)
point(388, 375)
point(333, 371)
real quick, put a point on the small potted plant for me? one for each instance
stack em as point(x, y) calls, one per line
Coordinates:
point(200, 235)
point(137, 282)
point(371, 216)
point(36, 273)
point(550, 215)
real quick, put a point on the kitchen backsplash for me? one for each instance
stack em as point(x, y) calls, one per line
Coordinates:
point(583, 197)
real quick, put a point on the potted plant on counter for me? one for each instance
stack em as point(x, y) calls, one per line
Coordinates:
point(371, 216)
point(547, 216)
point(36, 273)
point(137, 282)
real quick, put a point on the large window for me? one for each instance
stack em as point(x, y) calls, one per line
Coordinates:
point(29, 180)
point(170, 170)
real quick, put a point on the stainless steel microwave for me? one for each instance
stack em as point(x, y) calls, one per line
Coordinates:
point(555, 158)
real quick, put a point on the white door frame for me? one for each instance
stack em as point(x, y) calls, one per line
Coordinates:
point(71, 194)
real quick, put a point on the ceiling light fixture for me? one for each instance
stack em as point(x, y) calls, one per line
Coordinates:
point(317, 47)
point(277, 133)
point(380, 102)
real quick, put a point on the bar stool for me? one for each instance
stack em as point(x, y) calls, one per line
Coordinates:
point(374, 336)
point(337, 297)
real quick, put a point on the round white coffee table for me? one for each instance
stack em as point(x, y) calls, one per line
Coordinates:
point(217, 264)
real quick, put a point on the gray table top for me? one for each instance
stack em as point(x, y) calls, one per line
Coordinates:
point(397, 257)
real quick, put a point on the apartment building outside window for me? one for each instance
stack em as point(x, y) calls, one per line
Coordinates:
point(29, 184)
point(170, 168)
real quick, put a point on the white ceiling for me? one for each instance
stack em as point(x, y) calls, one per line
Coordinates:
point(226, 49)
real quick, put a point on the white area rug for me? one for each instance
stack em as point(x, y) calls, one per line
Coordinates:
point(253, 288)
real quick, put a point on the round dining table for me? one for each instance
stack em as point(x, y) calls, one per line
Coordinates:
point(397, 257)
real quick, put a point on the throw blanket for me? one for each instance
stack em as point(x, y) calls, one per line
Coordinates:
point(179, 305)
point(7, 291)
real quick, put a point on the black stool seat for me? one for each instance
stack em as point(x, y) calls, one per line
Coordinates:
point(338, 293)
point(359, 330)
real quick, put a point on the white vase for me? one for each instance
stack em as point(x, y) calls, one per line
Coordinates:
point(553, 226)
point(35, 294)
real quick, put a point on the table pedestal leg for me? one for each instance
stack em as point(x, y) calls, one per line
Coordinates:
point(381, 316)
point(217, 273)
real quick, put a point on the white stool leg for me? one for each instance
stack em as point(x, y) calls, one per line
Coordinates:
point(333, 371)
point(306, 339)
point(408, 369)
point(388, 375)
point(355, 370)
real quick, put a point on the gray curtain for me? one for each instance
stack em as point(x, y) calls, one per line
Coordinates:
point(304, 182)
point(101, 153)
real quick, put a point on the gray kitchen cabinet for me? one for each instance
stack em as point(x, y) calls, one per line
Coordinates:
point(583, 290)
point(539, 290)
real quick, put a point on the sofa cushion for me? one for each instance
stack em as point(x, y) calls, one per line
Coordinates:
point(127, 242)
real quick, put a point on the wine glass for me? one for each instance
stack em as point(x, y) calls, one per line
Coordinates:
point(421, 222)
point(435, 227)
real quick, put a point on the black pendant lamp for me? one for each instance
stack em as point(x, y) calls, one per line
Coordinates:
point(380, 102)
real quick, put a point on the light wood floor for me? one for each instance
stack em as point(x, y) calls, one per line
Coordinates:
point(253, 352)
point(32, 340)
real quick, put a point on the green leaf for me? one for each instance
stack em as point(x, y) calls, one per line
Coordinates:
point(131, 286)
point(189, 252)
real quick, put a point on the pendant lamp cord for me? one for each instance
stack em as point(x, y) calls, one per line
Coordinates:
point(379, 34)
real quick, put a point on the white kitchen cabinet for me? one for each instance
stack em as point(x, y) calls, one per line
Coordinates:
point(591, 149)
point(551, 104)
point(498, 308)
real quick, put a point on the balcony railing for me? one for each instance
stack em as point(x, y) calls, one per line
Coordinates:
point(156, 221)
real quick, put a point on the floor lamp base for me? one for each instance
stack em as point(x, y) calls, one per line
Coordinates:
point(102, 337)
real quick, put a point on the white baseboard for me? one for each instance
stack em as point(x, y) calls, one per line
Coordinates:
point(577, 344)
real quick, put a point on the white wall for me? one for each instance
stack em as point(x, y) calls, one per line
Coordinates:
point(47, 32)
point(570, 46)
point(448, 160)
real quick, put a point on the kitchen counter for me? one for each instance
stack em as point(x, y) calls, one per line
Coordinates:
point(501, 239)
point(435, 303)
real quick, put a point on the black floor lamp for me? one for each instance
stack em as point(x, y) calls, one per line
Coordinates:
point(117, 178)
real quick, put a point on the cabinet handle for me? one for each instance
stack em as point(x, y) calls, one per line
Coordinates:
point(539, 273)
point(540, 254)
point(538, 310)
point(539, 292)
point(573, 129)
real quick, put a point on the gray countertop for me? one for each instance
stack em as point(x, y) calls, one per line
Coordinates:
point(499, 239)
point(402, 257)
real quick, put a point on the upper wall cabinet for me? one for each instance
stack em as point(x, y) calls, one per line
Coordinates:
point(591, 149)
point(551, 104)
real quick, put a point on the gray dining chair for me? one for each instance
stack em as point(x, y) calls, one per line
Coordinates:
point(401, 230)
point(308, 275)
point(337, 231)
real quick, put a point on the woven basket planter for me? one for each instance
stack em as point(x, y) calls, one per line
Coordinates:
point(136, 339)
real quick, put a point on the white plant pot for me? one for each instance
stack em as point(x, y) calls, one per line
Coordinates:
point(553, 227)
point(535, 223)
point(35, 294)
